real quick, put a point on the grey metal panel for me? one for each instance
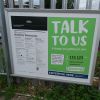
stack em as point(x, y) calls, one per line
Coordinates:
point(20, 3)
point(76, 4)
point(54, 11)
point(49, 79)
point(99, 4)
point(11, 3)
point(9, 42)
point(89, 4)
point(99, 44)
point(64, 4)
point(42, 4)
point(0, 32)
point(53, 4)
point(96, 48)
point(0, 57)
point(82, 5)
point(31, 3)
point(3, 73)
point(5, 42)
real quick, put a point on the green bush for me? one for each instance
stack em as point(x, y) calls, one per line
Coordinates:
point(2, 61)
point(3, 82)
point(9, 93)
point(68, 92)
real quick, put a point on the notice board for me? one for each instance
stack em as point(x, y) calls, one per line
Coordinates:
point(53, 45)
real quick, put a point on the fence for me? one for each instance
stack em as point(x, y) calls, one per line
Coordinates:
point(76, 4)
point(87, 4)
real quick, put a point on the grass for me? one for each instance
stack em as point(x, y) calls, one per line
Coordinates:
point(57, 91)
point(69, 92)
point(2, 61)
point(3, 82)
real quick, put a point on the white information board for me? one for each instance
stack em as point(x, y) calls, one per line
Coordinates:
point(53, 45)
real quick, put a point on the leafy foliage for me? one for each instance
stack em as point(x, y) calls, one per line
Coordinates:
point(3, 82)
point(69, 92)
point(58, 91)
point(10, 92)
point(2, 61)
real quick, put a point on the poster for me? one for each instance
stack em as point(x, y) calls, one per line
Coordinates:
point(55, 46)
point(70, 44)
point(29, 44)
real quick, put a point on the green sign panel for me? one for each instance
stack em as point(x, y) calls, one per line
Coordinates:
point(69, 46)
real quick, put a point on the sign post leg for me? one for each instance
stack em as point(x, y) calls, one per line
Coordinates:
point(5, 42)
